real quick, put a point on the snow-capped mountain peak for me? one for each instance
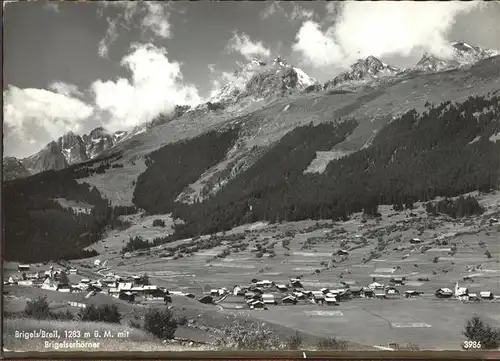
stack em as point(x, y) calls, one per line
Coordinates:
point(461, 54)
point(258, 79)
point(363, 70)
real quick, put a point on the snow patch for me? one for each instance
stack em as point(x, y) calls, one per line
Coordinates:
point(495, 137)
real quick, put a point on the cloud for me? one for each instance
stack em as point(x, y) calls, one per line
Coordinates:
point(156, 19)
point(52, 6)
point(110, 37)
point(245, 46)
point(317, 48)
point(273, 9)
point(379, 29)
point(149, 16)
point(299, 13)
point(34, 117)
point(66, 89)
point(155, 87)
point(276, 9)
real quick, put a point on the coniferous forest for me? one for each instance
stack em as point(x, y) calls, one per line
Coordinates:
point(444, 151)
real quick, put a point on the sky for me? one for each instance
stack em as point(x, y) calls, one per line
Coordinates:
point(73, 66)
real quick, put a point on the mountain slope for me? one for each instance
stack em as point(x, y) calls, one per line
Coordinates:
point(462, 54)
point(260, 80)
point(63, 152)
point(364, 70)
point(394, 155)
point(13, 168)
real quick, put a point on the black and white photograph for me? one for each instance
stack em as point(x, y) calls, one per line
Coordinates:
point(237, 176)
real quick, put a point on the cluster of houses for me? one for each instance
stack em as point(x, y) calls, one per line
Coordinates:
point(463, 294)
point(261, 294)
point(125, 288)
point(258, 295)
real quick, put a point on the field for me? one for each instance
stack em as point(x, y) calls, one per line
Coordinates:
point(378, 250)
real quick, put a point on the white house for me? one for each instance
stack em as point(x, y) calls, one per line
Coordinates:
point(282, 288)
point(268, 298)
point(486, 295)
point(376, 286)
point(49, 284)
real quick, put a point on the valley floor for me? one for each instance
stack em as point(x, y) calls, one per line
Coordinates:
point(378, 250)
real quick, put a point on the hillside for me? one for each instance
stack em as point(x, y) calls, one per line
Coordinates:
point(418, 136)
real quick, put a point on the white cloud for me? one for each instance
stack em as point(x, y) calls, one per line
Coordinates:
point(379, 29)
point(155, 87)
point(317, 48)
point(299, 13)
point(154, 18)
point(110, 37)
point(37, 116)
point(276, 9)
point(52, 6)
point(273, 9)
point(66, 89)
point(246, 47)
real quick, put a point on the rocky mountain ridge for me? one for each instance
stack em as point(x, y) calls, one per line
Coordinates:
point(69, 149)
point(256, 84)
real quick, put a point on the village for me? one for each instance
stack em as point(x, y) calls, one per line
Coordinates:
point(258, 295)
point(373, 283)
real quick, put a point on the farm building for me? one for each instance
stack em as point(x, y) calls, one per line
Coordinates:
point(376, 286)
point(355, 291)
point(398, 280)
point(97, 262)
point(49, 284)
point(237, 291)
point(127, 296)
point(474, 297)
point(125, 286)
point(391, 291)
point(23, 267)
point(415, 241)
point(26, 283)
point(460, 291)
point(331, 301)
point(295, 282)
point(367, 292)
point(282, 288)
point(250, 295)
point(268, 299)
point(379, 294)
point(444, 293)
point(289, 300)
point(299, 295)
point(486, 295)
point(258, 305)
point(412, 293)
point(318, 296)
point(206, 299)
point(73, 271)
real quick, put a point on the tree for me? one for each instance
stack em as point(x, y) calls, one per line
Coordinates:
point(103, 313)
point(479, 331)
point(331, 343)
point(246, 335)
point(37, 308)
point(144, 280)
point(295, 341)
point(161, 323)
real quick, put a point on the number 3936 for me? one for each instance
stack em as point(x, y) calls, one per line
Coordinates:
point(470, 345)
